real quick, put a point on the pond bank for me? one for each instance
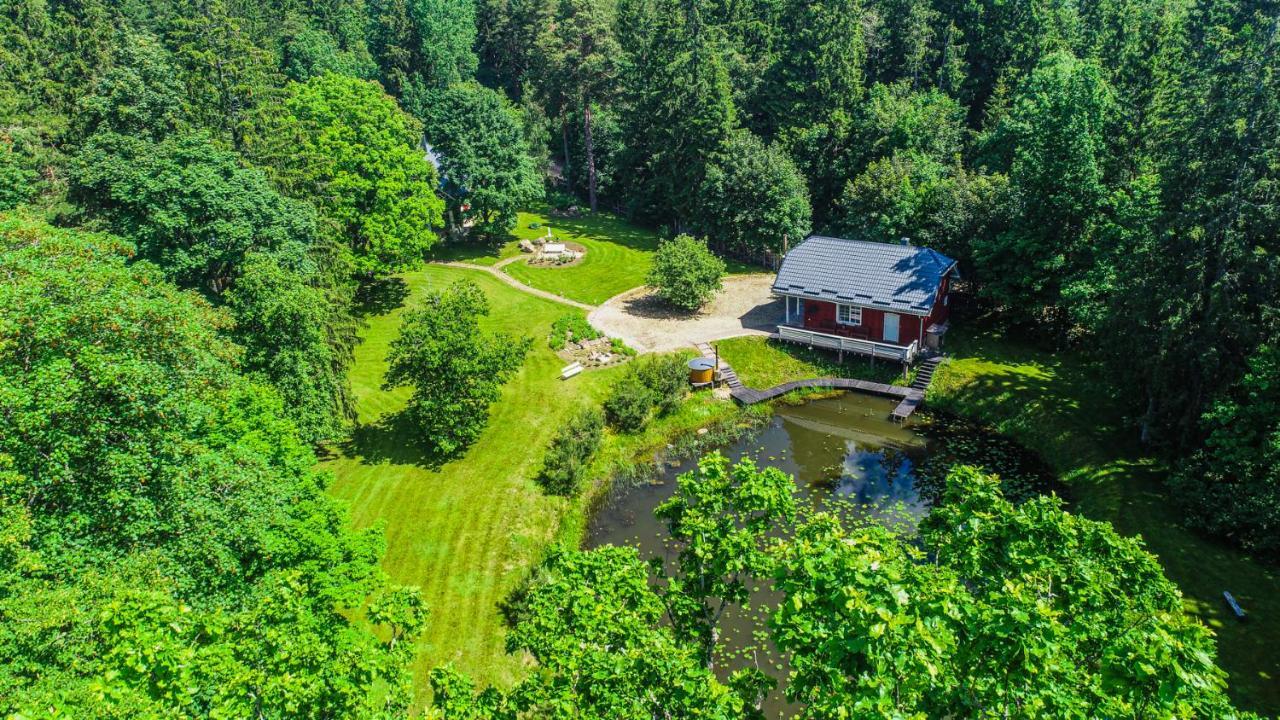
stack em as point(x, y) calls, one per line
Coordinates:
point(1056, 405)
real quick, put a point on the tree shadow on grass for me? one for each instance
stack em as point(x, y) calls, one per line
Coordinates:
point(392, 439)
point(381, 296)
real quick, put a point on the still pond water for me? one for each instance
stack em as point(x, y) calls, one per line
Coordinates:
point(845, 455)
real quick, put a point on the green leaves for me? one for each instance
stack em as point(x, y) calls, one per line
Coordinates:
point(569, 455)
point(166, 546)
point(753, 199)
point(365, 170)
point(484, 158)
point(592, 622)
point(685, 273)
point(455, 368)
point(721, 518)
point(189, 205)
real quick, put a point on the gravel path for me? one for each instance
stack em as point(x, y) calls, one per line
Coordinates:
point(743, 307)
point(496, 271)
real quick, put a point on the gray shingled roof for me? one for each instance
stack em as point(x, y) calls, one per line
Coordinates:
point(894, 277)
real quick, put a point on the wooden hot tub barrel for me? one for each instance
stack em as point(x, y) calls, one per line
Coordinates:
point(700, 370)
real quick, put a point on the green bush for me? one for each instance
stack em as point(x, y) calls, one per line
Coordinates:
point(654, 382)
point(616, 345)
point(685, 273)
point(570, 453)
point(666, 379)
point(572, 327)
point(628, 406)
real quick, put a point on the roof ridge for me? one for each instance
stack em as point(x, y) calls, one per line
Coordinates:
point(917, 248)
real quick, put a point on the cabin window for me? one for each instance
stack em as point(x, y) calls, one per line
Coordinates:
point(848, 314)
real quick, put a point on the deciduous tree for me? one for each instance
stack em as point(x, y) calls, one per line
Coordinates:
point(456, 369)
point(685, 273)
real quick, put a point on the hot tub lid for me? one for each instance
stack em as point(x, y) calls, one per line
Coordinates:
point(702, 363)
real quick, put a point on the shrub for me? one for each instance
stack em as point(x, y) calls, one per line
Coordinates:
point(628, 405)
point(652, 382)
point(572, 327)
point(685, 273)
point(570, 453)
point(617, 346)
point(666, 379)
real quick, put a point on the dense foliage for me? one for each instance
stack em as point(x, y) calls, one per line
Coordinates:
point(997, 610)
point(569, 456)
point(456, 369)
point(753, 199)
point(1232, 486)
point(1013, 611)
point(168, 549)
point(360, 159)
point(594, 624)
point(483, 156)
point(685, 273)
point(654, 384)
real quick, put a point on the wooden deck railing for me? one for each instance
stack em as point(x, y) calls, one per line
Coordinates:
point(862, 347)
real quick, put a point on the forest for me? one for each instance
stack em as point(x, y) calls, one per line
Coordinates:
point(197, 197)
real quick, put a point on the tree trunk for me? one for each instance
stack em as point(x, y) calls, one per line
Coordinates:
point(589, 146)
point(564, 141)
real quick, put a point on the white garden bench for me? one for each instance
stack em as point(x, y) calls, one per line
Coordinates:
point(569, 371)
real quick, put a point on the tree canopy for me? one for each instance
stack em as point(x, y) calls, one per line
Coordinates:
point(455, 369)
point(169, 549)
point(367, 171)
point(484, 159)
point(685, 273)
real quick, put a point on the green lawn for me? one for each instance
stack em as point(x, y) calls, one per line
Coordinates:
point(618, 255)
point(1056, 405)
point(466, 532)
point(761, 363)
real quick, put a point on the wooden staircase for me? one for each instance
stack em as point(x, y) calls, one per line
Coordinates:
point(727, 375)
point(924, 375)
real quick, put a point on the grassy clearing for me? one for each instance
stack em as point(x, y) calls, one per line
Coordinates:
point(468, 530)
point(762, 363)
point(618, 257)
point(1056, 405)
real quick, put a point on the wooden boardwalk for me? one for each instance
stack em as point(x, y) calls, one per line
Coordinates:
point(911, 398)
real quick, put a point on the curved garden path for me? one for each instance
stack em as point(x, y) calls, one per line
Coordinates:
point(496, 271)
point(744, 307)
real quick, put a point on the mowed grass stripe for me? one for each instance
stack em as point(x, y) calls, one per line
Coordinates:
point(468, 531)
point(618, 256)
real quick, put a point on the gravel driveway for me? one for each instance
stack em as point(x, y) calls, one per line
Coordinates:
point(644, 322)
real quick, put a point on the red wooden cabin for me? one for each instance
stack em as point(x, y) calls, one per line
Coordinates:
point(884, 294)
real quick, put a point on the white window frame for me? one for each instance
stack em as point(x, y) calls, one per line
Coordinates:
point(855, 314)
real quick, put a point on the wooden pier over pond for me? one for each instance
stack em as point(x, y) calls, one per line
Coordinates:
point(911, 398)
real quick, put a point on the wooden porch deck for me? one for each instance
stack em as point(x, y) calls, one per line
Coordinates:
point(841, 344)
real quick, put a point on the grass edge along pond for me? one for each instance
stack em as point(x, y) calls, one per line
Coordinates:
point(1055, 405)
point(470, 530)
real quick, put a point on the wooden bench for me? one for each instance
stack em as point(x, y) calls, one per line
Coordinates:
point(569, 371)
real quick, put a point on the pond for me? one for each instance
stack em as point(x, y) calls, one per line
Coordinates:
point(845, 455)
